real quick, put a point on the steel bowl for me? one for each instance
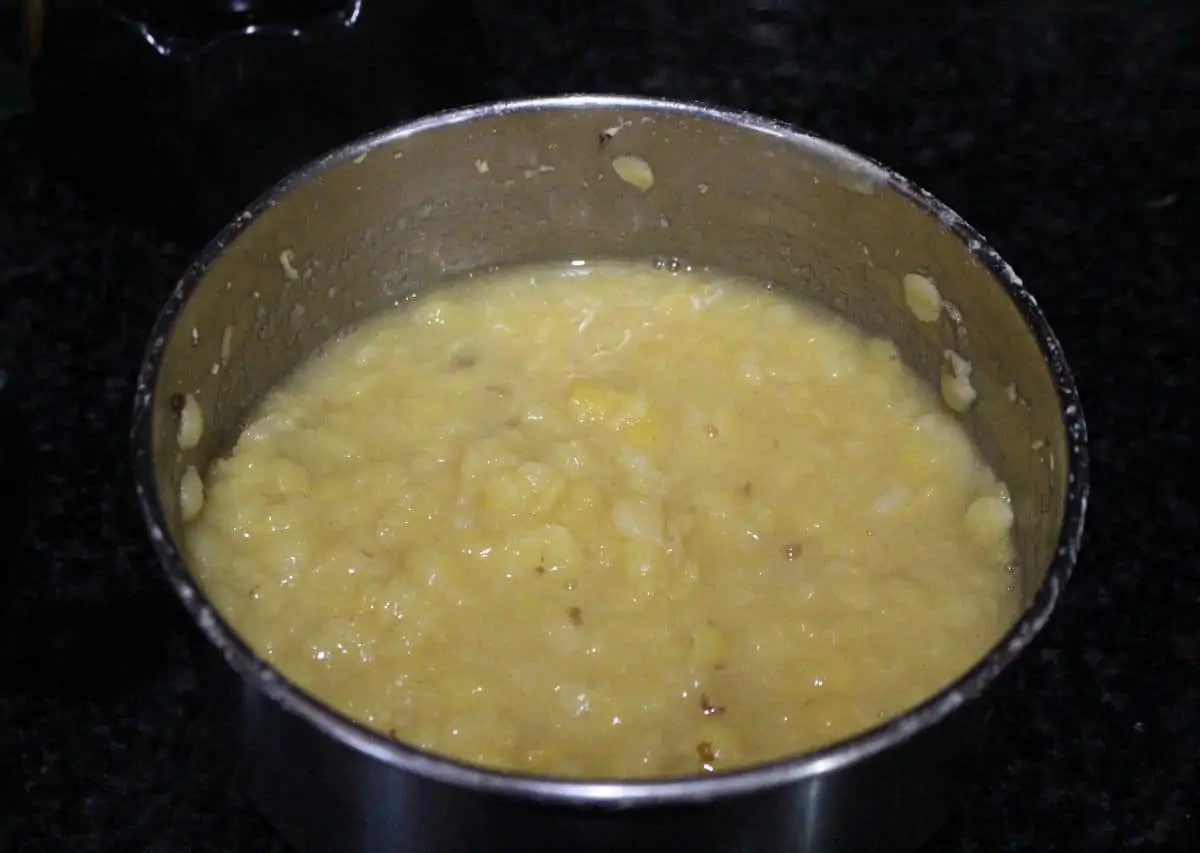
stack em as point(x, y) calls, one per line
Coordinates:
point(368, 226)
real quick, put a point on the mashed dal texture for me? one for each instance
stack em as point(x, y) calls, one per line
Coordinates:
point(609, 521)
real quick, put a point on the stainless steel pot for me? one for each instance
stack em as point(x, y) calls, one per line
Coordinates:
point(373, 223)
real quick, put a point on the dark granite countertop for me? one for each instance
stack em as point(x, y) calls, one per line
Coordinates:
point(1070, 139)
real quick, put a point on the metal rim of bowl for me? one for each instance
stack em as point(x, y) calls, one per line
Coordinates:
point(609, 791)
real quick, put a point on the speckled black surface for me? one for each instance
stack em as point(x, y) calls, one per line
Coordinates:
point(1069, 139)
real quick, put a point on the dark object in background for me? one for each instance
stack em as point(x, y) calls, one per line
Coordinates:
point(184, 112)
point(12, 486)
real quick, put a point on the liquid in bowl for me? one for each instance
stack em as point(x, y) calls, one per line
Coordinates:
point(609, 521)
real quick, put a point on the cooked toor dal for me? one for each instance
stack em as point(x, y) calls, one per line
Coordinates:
point(607, 520)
